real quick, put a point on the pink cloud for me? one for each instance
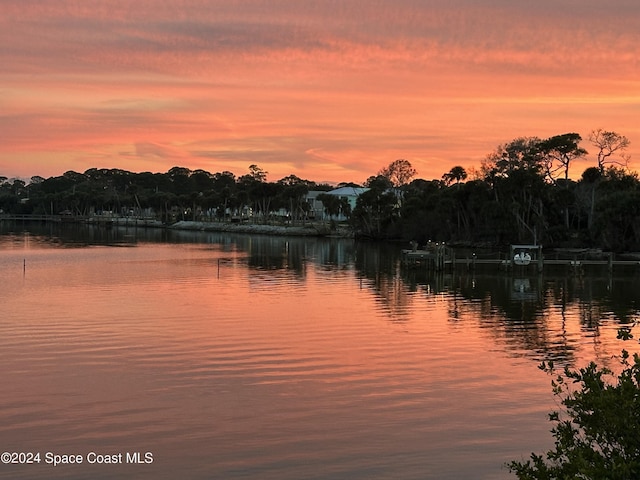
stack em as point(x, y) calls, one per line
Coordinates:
point(336, 88)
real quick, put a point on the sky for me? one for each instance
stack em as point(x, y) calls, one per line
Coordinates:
point(329, 90)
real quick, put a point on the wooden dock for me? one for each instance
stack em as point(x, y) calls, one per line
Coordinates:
point(441, 259)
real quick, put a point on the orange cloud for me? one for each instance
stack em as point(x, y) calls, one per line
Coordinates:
point(330, 91)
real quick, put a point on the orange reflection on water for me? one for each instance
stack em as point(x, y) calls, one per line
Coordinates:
point(228, 362)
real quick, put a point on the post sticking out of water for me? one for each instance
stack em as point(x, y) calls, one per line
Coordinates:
point(540, 261)
point(24, 267)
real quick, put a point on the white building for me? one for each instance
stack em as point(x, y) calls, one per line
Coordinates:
point(349, 194)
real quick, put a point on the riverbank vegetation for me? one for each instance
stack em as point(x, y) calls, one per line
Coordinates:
point(596, 430)
point(522, 192)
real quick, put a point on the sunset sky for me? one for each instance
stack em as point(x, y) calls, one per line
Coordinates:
point(326, 90)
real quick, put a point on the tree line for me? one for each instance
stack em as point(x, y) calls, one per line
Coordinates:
point(178, 194)
point(521, 193)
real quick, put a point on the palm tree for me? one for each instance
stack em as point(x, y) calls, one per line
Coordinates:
point(457, 173)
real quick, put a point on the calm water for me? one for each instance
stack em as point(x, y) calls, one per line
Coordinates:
point(236, 357)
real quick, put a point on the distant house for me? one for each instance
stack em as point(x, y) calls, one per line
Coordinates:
point(349, 194)
point(316, 209)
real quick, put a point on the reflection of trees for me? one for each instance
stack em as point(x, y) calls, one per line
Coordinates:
point(531, 313)
point(537, 314)
point(79, 235)
point(392, 294)
point(262, 251)
point(274, 253)
point(623, 298)
point(379, 265)
point(293, 254)
point(515, 311)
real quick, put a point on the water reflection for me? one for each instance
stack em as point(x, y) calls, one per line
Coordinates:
point(550, 317)
point(270, 357)
point(546, 316)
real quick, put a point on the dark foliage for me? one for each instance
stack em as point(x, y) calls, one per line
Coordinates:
point(596, 436)
point(521, 194)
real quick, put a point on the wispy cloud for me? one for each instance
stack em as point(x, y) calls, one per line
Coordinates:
point(332, 86)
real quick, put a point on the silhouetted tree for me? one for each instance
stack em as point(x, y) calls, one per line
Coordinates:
point(376, 209)
point(558, 153)
point(514, 171)
point(456, 174)
point(399, 172)
point(608, 143)
point(258, 173)
point(293, 192)
point(590, 178)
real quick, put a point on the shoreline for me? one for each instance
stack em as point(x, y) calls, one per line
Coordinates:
point(307, 230)
point(310, 230)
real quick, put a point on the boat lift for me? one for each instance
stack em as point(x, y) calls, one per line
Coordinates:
point(523, 255)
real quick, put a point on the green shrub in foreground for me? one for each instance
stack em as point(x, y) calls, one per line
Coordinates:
point(597, 436)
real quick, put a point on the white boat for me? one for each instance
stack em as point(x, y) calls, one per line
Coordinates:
point(522, 258)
